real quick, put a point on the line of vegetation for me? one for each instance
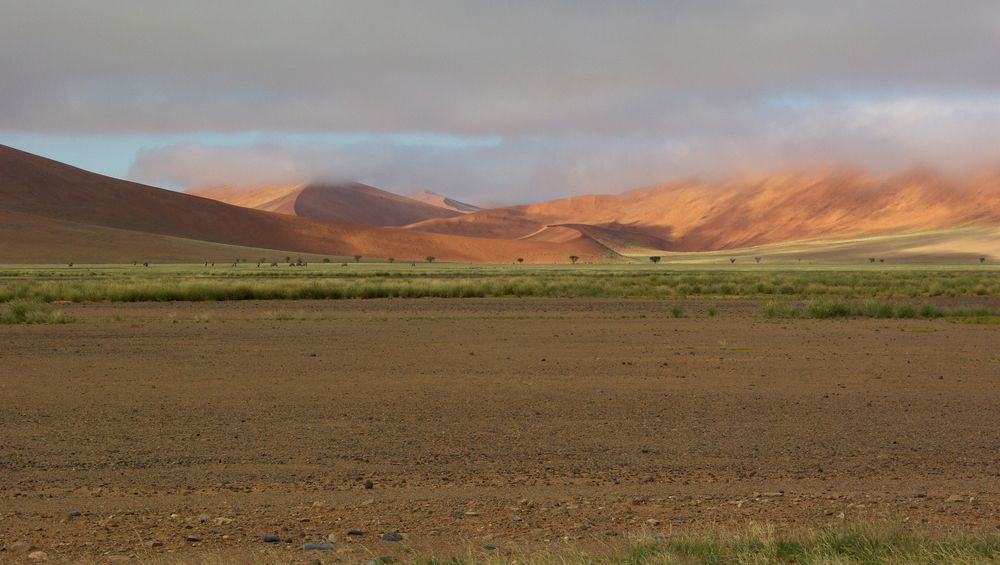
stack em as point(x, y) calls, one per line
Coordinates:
point(878, 309)
point(21, 311)
point(194, 285)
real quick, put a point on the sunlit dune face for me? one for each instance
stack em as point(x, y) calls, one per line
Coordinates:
point(756, 210)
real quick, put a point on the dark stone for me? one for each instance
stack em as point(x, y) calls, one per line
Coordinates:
point(270, 538)
point(392, 536)
point(317, 546)
point(355, 532)
point(489, 548)
point(369, 484)
point(75, 513)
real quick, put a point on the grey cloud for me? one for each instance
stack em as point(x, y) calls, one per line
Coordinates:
point(511, 68)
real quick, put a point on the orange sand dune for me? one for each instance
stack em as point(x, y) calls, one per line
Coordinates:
point(695, 216)
point(351, 203)
point(51, 192)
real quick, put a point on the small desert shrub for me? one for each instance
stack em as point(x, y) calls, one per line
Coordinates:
point(677, 311)
point(781, 310)
point(284, 315)
point(31, 312)
point(712, 311)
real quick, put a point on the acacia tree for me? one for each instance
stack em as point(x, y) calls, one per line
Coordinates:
point(757, 259)
point(357, 258)
point(982, 260)
point(732, 260)
point(520, 259)
point(392, 259)
point(573, 259)
point(655, 259)
point(430, 258)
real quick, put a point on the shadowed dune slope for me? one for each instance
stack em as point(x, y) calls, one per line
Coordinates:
point(351, 203)
point(47, 190)
point(695, 216)
point(435, 199)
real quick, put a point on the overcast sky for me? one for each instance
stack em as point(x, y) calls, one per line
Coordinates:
point(502, 100)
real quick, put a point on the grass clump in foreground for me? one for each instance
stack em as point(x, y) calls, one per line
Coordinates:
point(860, 543)
point(826, 309)
point(31, 312)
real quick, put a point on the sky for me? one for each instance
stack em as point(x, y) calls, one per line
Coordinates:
point(512, 101)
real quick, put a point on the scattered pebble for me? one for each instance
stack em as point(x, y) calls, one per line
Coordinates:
point(75, 513)
point(369, 484)
point(38, 556)
point(355, 532)
point(317, 546)
point(270, 538)
point(489, 548)
point(192, 538)
point(920, 495)
point(392, 536)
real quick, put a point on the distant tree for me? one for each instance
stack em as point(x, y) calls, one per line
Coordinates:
point(326, 259)
point(288, 259)
point(881, 260)
point(655, 259)
point(871, 259)
point(430, 258)
point(520, 259)
point(573, 259)
point(732, 260)
point(357, 258)
point(263, 260)
point(392, 259)
point(145, 264)
point(981, 261)
point(274, 264)
point(757, 259)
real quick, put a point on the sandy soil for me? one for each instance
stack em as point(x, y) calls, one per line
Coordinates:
point(200, 426)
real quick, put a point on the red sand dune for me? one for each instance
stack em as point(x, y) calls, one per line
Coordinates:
point(44, 193)
point(695, 216)
point(350, 203)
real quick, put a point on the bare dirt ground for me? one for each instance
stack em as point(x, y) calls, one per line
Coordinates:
point(180, 428)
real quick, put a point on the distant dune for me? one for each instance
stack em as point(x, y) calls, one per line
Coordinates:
point(100, 214)
point(694, 216)
point(52, 211)
point(351, 203)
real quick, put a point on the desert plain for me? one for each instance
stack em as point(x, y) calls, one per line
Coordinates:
point(484, 427)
